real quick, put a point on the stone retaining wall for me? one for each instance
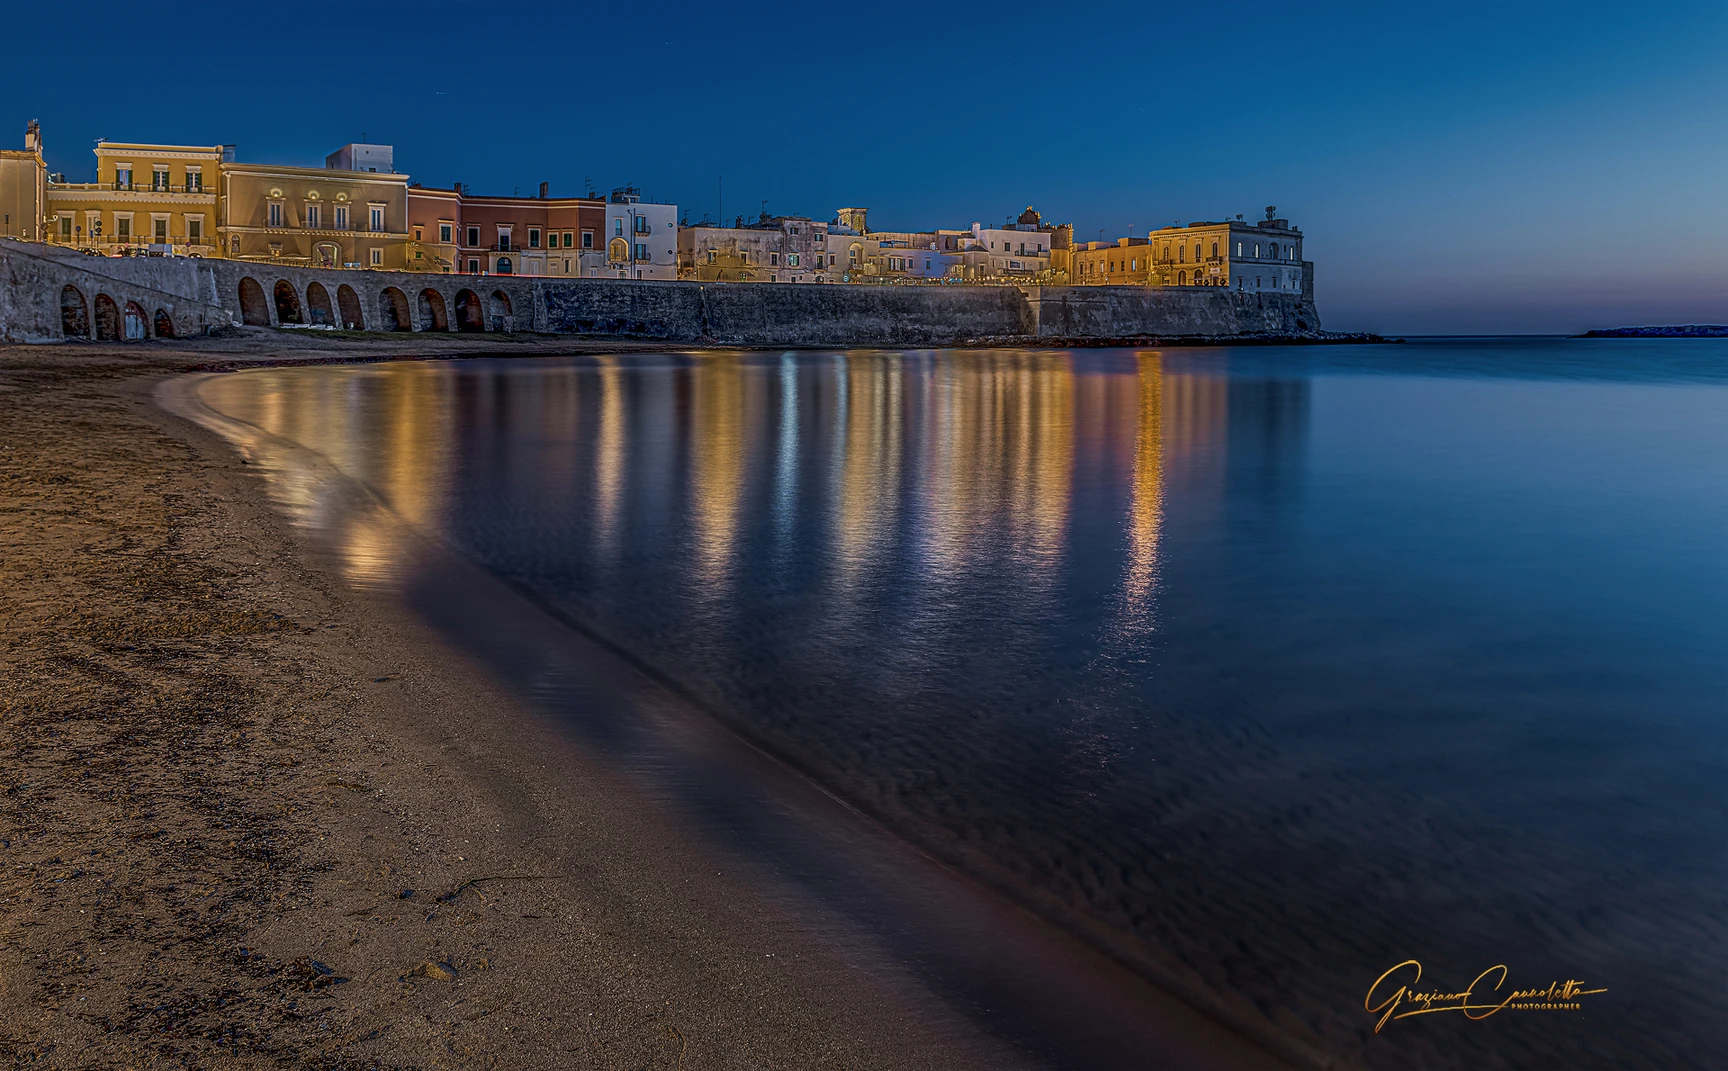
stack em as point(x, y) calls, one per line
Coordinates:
point(187, 296)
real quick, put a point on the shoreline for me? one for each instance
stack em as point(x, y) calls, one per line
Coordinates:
point(417, 857)
point(249, 817)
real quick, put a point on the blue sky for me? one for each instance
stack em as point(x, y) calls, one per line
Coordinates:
point(1458, 168)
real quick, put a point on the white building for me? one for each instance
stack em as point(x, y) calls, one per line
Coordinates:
point(641, 238)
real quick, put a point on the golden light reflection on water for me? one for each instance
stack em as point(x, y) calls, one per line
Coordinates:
point(959, 459)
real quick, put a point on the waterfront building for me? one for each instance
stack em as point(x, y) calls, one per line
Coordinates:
point(160, 197)
point(23, 188)
point(319, 217)
point(495, 235)
point(774, 249)
point(1249, 257)
point(641, 236)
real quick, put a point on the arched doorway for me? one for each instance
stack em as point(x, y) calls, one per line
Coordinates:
point(164, 324)
point(504, 267)
point(137, 325)
point(74, 313)
point(469, 315)
point(253, 309)
point(326, 255)
point(107, 319)
point(500, 311)
point(349, 303)
point(432, 315)
point(393, 310)
point(1182, 278)
point(318, 304)
point(287, 303)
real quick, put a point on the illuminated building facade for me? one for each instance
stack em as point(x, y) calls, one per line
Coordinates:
point(1249, 257)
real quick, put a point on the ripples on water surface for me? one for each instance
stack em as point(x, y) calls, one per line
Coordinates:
point(1268, 668)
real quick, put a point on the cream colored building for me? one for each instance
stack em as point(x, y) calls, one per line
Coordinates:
point(315, 216)
point(23, 188)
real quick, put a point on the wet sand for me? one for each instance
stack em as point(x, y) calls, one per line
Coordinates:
point(252, 817)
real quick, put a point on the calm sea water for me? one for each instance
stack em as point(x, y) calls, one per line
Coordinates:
point(1264, 669)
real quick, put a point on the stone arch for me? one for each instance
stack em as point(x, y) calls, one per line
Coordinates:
point(393, 311)
point(287, 303)
point(469, 315)
point(74, 313)
point(499, 310)
point(348, 302)
point(135, 322)
point(253, 308)
point(164, 324)
point(432, 314)
point(107, 319)
point(318, 304)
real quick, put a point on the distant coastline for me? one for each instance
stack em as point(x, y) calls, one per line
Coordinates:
point(1686, 331)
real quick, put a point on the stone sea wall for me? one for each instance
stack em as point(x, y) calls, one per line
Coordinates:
point(52, 294)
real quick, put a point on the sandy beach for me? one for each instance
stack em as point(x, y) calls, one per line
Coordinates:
point(252, 817)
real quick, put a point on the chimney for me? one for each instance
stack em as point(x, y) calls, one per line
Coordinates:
point(33, 137)
point(457, 186)
point(545, 187)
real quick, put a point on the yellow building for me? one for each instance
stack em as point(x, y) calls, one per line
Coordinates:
point(315, 216)
point(1124, 262)
point(144, 196)
point(23, 200)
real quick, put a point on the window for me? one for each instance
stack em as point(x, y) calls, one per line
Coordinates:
point(503, 239)
point(1256, 252)
point(1274, 250)
point(444, 230)
point(312, 216)
point(1133, 265)
point(123, 178)
point(473, 266)
point(587, 239)
point(710, 256)
point(1196, 252)
point(641, 224)
point(1181, 254)
point(473, 237)
point(123, 226)
point(275, 214)
point(774, 258)
point(1238, 253)
point(377, 256)
point(161, 228)
point(194, 230)
point(926, 263)
point(1214, 248)
point(641, 251)
point(375, 218)
point(194, 181)
point(533, 237)
point(567, 242)
point(618, 227)
point(159, 178)
point(341, 220)
point(65, 226)
point(418, 234)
